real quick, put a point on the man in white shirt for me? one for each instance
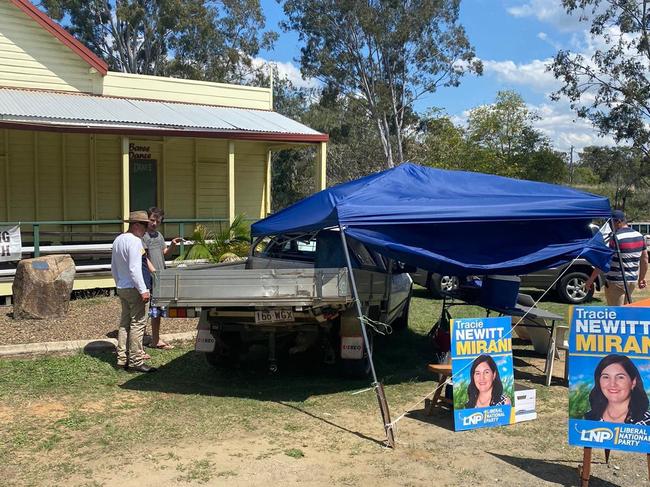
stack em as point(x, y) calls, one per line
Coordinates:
point(126, 266)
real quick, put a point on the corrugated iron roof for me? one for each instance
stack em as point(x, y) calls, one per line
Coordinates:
point(62, 109)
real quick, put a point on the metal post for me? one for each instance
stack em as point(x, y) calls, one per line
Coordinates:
point(37, 240)
point(181, 231)
point(620, 263)
point(379, 389)
point(355, 295)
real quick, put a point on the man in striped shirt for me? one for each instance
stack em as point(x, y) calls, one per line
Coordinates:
point(634, 257)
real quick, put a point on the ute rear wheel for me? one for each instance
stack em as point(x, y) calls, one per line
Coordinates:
point(227, 350)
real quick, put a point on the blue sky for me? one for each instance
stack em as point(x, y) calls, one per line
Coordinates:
point(515, 39)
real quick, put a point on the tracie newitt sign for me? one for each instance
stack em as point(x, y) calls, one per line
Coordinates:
point(474, 337)
point(10, 243)
point(481, 363)
point(609, 376)
point(602, 330)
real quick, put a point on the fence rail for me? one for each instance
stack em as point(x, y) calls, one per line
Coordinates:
point(37, 228)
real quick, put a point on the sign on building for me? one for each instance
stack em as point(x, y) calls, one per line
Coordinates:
point(481, 363)
point(609, 375)
point(10, 243)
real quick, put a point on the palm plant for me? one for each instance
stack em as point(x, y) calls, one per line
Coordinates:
point(230, 242)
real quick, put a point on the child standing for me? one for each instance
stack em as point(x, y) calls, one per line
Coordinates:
point(154, 244)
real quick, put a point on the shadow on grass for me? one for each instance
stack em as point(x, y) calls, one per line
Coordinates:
point(399, 358)
point(441, 417)
point(551, 470)
point(420, 292)
point(517, 362)
point(331, 423)
point(536, 378)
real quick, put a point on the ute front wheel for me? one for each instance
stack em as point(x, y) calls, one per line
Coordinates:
point(439, 285)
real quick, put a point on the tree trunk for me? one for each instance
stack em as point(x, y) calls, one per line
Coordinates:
point(384, 133)
point(384, 136)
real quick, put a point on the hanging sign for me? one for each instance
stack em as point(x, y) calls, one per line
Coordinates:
point(481, 363)
point(10, 243)
point(139, 151)
point(609, 373)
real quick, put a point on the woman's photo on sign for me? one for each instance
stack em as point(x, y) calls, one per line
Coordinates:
point(486, 381)
point(485, 386)
point(618, 394)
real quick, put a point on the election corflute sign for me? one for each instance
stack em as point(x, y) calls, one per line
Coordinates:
point(481, 363)
point(609, 376)
point(10, 243)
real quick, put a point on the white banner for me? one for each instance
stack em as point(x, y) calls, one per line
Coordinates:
point(10, 243)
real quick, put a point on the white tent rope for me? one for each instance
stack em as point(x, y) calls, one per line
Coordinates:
point(409, 409)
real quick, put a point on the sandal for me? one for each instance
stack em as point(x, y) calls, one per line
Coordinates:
point(146, 356)
point(163, 346)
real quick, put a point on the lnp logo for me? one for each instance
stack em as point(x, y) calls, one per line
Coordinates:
point(597, 435)
point(472, 419)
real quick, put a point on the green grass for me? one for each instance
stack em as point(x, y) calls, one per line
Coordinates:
point(294, 453)
point(105, 410)
point(199, 471)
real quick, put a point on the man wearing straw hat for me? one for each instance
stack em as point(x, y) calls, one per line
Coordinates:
point(126, 266)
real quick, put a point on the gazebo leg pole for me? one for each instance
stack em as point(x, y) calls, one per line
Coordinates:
point(379, 388)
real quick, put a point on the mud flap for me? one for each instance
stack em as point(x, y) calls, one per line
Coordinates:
point(351, 337)
point(352, 348)
point(205, 342)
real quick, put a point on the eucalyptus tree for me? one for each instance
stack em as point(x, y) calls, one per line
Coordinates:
point(504, 141)
point(386, 53)
point(610, 85)
point(197, 39)
point(623, 169)
point(500, 138)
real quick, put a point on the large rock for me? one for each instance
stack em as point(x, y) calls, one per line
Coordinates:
point(42, 287)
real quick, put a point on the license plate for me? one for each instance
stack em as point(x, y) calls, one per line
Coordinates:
point(274, 316)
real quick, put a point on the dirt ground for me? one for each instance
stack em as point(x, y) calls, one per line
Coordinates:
point(316, 442)
point(78, 421)
point(87, 319)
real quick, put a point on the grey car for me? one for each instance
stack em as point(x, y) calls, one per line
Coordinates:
point(570, 288)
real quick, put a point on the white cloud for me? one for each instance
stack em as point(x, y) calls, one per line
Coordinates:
point(291, 71)
point(560, 124)
point(565, 129)
point(532, 74)
point(544, 37)
point(548, 11)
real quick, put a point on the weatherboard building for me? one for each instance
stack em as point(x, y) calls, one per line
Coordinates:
point(81, 146)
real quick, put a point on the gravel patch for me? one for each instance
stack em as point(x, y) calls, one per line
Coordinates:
point(91, 318)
